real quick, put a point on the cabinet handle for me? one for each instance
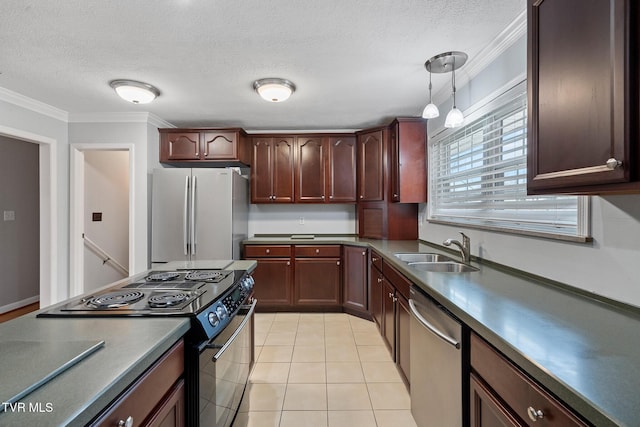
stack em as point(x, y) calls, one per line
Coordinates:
point(379, 280)
point(395, 196)
point(267, 250)
point(613, 163)
point(361, 196)
point(323, 197)
point(337, 262)
point(330, 197)
point(126, 423)
point(395, 299)
point(391, 295)
point(288, 262)
point(317, 251)
point(373, 259)
point(534, 414)
point(364, 253)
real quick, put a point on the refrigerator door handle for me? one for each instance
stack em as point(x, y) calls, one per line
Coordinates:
point(193, 215)
point(185, 217)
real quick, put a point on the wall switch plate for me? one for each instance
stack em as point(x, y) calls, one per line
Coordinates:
point(301, 221)
point(9, 215)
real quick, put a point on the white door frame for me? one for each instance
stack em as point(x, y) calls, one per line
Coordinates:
point(76, 209)
point(48, 189)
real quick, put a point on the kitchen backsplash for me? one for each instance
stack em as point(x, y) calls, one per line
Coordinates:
point(302, 219)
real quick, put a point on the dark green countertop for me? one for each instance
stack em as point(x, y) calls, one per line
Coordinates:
point(583, 349)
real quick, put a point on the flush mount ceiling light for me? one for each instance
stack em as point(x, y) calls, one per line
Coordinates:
point(447, 62)
point(135, 92)
point(274, 89)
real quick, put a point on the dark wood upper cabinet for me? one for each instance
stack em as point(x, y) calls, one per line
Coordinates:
point(407, 160)
point(272, 169)
point(341, 169)
point(310, 169)
point(371, 165)
point(209, 146)
point(583, 96)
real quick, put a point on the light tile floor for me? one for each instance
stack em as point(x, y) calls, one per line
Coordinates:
point(325, 370)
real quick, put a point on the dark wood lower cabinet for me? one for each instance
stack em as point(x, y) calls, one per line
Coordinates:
point(487, 410)
point(317, 281)
point(354, 280)
point(171, 412)
point(403, 320)
point(389, 316)
point(273, 278)
point(377, 289)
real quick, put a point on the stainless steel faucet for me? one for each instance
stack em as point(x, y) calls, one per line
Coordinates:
point(464, 247)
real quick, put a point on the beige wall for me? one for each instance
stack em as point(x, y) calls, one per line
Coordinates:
point(20, 238)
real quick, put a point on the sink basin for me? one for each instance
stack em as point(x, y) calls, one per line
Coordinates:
point(422, 257)
point(443, 267)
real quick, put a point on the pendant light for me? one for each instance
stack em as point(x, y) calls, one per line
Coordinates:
point(447, 62)
point(431, 110)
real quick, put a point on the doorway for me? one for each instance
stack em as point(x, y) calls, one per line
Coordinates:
point(101, 212)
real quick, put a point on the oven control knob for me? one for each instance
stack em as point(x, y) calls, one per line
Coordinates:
point(221, 311)
point(213, 319)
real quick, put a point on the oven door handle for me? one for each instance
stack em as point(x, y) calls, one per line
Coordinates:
point(223, 348)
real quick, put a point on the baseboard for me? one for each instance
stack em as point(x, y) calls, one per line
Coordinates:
point(19, 304)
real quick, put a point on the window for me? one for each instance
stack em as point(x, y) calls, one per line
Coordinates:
point(478, 176)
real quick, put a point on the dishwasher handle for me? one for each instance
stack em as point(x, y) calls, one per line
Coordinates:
point(430, 327)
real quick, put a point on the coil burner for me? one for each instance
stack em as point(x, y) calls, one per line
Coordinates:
point(167, 299)
point(115, 299)
point(162, 277)
point(207, 275)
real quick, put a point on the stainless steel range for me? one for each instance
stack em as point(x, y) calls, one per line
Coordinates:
point(220, 307)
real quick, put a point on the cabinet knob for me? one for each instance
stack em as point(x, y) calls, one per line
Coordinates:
point(267, 250)
point(361, 196)
point(337, 262)
point(613, 163)
point(374, 259)
point(534, 414)
point(395, 195)
point(330, 197)
point(126, 423)
point(323, 197)
point(317, 251)
point(288, 262)
point(379, 280)
point(364, 253)
point(395, 299)
point(391, 295)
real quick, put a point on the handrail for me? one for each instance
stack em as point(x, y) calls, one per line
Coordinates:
point(105, 256)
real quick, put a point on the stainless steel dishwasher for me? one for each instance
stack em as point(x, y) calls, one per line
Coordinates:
point(436, 364)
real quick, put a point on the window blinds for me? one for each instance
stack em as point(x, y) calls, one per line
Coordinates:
point(478, 176)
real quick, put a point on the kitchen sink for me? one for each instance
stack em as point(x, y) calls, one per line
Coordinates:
point(422, 257)
point(443, 267)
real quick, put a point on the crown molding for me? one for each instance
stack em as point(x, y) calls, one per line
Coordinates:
point(31, 104)
point(128, 117)
point(503, 41)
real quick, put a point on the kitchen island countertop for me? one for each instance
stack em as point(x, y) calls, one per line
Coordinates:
point(582, 348)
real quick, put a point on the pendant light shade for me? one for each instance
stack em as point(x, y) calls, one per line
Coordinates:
point(447, 62)
point(274, 89)
point(134, 91)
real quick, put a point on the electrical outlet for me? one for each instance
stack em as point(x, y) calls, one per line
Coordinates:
point(301, 220)
point(9, 215)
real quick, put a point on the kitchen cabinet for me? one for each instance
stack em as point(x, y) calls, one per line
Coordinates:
point(389, 316)
point(311, 176)
point(155, 399)
point(354, 280)
point(407, 160)
point(273, 275)
point(272, 169)
point(204, 146)
point(501, 394)
point(583, 97)
point(317, 275)
point(376, 289)
point(370, 166)
point(341, 168)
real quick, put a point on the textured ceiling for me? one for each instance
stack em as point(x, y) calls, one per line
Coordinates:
point(356, 63)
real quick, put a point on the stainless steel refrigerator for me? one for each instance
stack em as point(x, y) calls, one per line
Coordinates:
point(198, 214)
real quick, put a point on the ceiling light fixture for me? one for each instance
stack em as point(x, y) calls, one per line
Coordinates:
point(134, 91)
point(431, 110)
point(274, 89)
point(447, 62)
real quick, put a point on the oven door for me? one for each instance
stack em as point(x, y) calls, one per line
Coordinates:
point(225, 363)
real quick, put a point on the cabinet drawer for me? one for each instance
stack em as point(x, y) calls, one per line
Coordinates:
point(401, 283)
point(519, 392)
point(376, 260)
point(323, 251)
point(251, 251)
point(146, 395)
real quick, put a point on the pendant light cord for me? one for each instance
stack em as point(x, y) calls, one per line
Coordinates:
point(453, 81)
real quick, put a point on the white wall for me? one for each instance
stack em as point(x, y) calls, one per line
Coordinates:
point(106, 190)
point(286, 219)
point(606, 266)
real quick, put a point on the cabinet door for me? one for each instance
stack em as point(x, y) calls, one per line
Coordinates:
point(403, 321)
point(317, 281)
point(341, 179)
point(273, 278)
point(580, 93)
point(170, 412)
point(180, 146)
point(407, 160)
point(371, 166)
point(262, 170)
point(310, 169)
point(489, 411)
point(355, 278)
point(377, 290)
point(388, 317)
point(283, 155)
point(220, 145)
